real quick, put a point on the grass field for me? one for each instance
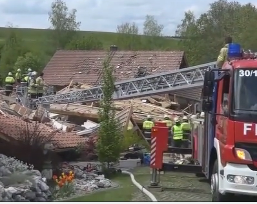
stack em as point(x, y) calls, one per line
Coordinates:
point(40, 38)
point(176, 187)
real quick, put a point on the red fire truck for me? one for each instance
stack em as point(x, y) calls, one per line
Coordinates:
point(225, 141)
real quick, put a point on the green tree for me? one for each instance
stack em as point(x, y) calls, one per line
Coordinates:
point(110, 134)
point(12, 48)
point(128, 38)
point(85, 43)
point(29, 60)
point(63, 23)
point(152, 27)
point(203, 37)
point(153, 31)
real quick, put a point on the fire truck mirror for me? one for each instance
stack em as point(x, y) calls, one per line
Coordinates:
point(208, 83)
point(207, 105)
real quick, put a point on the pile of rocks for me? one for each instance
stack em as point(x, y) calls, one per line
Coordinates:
point(19, 183)
point(86, 182)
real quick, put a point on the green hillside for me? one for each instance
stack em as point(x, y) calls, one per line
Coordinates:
point(22, 47)
point(39, 38)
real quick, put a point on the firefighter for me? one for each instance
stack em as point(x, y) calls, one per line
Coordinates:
point(168, 122)
point(186, 131)
point(147, 127)
point(28, 76)
point(32, 88)
point(18, 76)
point(9, 81)
point(223, 52)
point(177, 133)
point(40, 85)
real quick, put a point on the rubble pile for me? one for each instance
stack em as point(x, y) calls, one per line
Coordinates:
point(86, 182)
point(62, 118)
point(157, 106)
point(18, 183)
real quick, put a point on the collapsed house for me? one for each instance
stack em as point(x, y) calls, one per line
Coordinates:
point(77, 123)
point(85, 67)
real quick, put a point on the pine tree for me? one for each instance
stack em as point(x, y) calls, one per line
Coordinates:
point(110, 133)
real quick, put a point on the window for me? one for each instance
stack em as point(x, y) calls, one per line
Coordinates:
point(225, 94)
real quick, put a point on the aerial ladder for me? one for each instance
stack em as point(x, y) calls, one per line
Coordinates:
point(144, 86)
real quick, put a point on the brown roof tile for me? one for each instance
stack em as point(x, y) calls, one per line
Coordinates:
point(126, 63)
point(85, 66)
point(12, 126)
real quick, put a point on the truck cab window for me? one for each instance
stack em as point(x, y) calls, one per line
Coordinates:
point(225, 94)
point(245, 92)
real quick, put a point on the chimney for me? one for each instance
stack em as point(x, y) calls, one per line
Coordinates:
point(113, 48)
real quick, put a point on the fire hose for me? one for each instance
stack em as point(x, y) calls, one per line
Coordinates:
point(141, 188)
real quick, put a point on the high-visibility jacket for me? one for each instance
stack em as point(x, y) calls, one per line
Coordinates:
point(32, 86)
point(168, 123)
point(9, 80)
point(177, 132)
point(147, 125)
point(18, 75)
point(222, 56)
point(186, 126)
point(26, 78)
point(40, 84)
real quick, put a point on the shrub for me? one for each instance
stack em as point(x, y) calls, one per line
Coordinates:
point(131, 138)
point(29, 146)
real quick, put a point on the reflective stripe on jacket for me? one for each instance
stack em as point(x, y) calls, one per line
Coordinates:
point(9, 80)
point(177, 132)
point(168, 123)
point(147, 125)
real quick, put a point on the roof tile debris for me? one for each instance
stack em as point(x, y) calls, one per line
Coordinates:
point(12, 126)
point(86, 66)
point(64, 134)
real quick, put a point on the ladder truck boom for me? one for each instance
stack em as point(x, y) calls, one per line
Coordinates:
point(138, 87)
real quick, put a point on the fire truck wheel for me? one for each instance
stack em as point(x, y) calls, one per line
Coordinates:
point(216, 195)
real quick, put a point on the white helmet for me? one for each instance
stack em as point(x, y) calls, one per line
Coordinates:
point(29, 70)
point(10, 74)
point(18, 70)
point(184, 118)
point(202, 115)
point(34, 73)
point(193, 117)
point(148, 116)
point(176, 119)
point(165, 116)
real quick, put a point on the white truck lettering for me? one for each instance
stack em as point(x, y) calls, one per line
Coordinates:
point(248, 127)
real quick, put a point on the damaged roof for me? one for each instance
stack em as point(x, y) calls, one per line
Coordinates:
point(86, 66)
point(11, 127)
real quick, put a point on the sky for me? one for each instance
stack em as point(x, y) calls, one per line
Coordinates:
point(103, 15)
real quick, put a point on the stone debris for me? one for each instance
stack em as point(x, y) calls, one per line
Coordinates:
point(20, 184)
point(87, 182)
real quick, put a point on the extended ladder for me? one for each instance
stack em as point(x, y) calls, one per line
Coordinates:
point(138, 87)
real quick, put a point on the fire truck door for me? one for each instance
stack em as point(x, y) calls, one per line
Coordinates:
point(205, 149)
